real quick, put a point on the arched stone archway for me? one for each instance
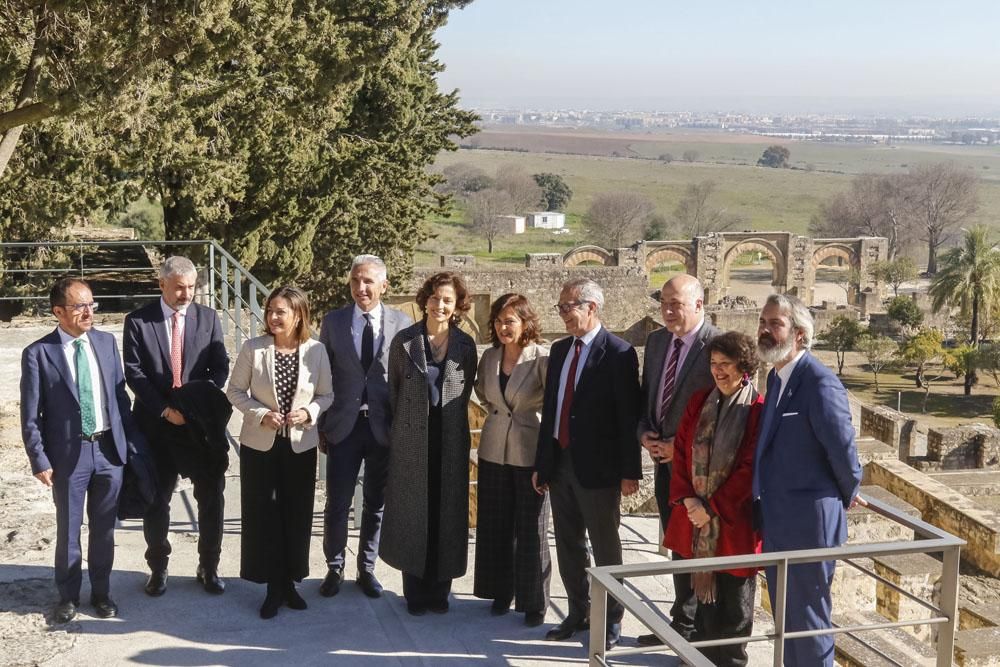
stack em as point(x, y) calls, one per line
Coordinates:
point(659, 255)
point(825, 252)
point(779, 270)
point(588, 253)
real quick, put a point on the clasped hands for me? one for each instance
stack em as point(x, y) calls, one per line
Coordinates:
point(697, 514)
point(275, 420)
point(662, 451)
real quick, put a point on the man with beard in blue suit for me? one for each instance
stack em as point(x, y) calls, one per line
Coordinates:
point(76, 426)
point(806, 473)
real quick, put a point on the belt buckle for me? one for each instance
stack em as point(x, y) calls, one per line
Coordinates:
point(95, 436)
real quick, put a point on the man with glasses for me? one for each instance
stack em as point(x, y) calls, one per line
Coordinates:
point(674, 367)
point(168, 343)
point(76, 425)
point(588, 455)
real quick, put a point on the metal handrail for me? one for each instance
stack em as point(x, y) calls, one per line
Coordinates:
point(608, 580)
point(230, 287)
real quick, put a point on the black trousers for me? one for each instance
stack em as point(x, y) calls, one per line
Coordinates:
point(512, 549)
point(208, 494)
point(731, 615)
point(579, 513)
point(276, 502)
point(685, 603)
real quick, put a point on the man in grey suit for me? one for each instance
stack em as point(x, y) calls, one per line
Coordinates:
point(356, 427)
point(674, 367)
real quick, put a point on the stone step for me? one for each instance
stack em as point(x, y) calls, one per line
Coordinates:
point(865, 526)
point(971, 483)
point(978, 648)
point(972, 616)
point(916, 573)
point(874, 648)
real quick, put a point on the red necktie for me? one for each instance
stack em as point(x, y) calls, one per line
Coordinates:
point(567, 401)
point(176, 349)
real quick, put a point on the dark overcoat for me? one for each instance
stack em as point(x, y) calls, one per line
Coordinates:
point(403, 543)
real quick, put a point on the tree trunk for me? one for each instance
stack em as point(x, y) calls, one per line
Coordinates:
point(28, 85)
point(876, 381)
point(970, 369)
point(927, 391)
point(489, 245)
point(932, 246)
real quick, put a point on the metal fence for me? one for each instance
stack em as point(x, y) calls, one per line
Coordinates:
point(224, 284)
point(610, 580)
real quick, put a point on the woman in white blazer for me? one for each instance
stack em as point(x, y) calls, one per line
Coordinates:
point(512, 549)
point(281, 383)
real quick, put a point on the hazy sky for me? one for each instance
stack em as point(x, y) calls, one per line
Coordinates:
point(918, 56)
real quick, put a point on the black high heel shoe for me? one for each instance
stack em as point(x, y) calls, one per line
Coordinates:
point(292, 597)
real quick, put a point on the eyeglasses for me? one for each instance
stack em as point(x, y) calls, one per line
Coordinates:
point(564, 308)
point(80, 307)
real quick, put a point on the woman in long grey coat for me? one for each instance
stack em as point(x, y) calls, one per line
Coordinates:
point(425, 525)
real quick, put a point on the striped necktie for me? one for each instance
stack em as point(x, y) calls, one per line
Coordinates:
point(669, 379)
point(176, 350)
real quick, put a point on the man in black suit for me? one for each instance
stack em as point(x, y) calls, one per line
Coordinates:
point(588, 454)
point(674, 367)
point(168, 343)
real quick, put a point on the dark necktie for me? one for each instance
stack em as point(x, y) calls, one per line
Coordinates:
point(85, 389)
point(669, 379)
point(367, 343)
point(567, 401)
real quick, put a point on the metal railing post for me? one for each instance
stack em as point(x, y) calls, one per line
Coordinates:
point(948, 605)
point(780, 590)
point(225, 294)
point(238, 314)
point(211, 274)
point(598, 622)
point(80, 247)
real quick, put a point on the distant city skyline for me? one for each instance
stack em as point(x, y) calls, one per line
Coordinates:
point(918, 57)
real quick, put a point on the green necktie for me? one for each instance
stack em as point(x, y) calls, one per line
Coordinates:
point(88, 414)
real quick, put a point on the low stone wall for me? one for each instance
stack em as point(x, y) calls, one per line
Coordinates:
point(975, 446)
point(941, 506)
point(894, 429)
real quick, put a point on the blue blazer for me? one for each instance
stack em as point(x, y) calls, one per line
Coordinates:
point(603, 417)
point(806, 471)
point(51, 425)
point(147, 355)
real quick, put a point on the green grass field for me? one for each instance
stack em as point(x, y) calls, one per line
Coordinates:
point(770, 199)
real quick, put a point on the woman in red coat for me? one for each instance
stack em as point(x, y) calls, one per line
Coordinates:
point(710, 490)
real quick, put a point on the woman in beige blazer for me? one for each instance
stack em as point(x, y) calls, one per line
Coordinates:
point(512, 553)
point(281, 383)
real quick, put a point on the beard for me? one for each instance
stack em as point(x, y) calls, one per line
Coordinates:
point(771, 352)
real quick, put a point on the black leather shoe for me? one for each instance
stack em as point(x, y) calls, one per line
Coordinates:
point(293, 599)
point(156, 585)
point(438, 606)
point(209, 579)
point(648, 640)
point(104, 606)
point(613, 636)
point(272, 602)
point(331, 583)
point(415, 609)
point(534, 618)
point(369, 584)
point(499, 607)
point(567, 629)
point(65, 611)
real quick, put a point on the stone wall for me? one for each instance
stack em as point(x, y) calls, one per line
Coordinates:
point(894, 429)
point(961, 447)
point(626, 293)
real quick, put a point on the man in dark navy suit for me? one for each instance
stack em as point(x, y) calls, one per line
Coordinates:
point(806, 473)
point(588, 450)
point(76, 426)
point(168, 343)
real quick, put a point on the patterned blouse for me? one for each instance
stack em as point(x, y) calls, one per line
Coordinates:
point(286, 369)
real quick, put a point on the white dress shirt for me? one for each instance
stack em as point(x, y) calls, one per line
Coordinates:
point(69, 350)
point(358, 328)
point(786, 373)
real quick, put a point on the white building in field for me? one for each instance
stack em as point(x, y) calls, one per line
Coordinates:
point(511, 224)
point(547, 220)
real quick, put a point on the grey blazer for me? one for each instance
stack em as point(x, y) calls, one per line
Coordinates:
point(510, 433)
point(349, 378)
point(695, 374)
